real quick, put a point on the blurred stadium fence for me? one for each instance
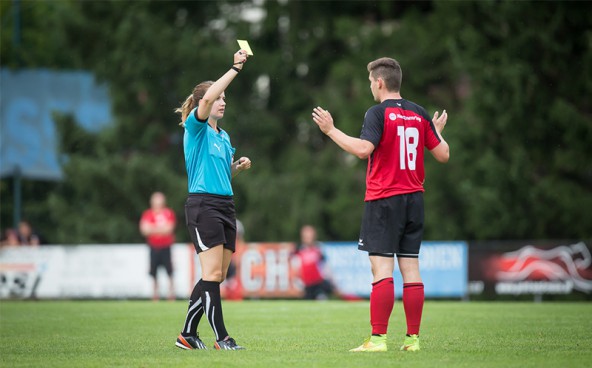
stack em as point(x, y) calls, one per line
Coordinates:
point(454, 269)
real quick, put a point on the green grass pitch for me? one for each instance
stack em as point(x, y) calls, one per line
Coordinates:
point(293, 334)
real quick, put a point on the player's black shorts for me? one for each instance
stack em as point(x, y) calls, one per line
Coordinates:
point(211, 220)
point(160, 257)
point(393, 225)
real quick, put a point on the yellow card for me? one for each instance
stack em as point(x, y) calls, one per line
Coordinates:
point(243, 44)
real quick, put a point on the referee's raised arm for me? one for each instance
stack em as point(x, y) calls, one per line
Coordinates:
point(207, 101)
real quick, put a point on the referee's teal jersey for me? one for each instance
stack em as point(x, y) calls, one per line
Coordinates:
point(208, 157)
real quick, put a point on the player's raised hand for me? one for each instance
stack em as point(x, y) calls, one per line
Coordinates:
point(240, 58)
point(323, 119)
point(440, 121)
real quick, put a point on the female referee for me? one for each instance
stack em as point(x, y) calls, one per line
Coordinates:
point(209, 209)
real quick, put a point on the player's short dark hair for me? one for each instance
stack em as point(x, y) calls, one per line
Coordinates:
point(389, 71)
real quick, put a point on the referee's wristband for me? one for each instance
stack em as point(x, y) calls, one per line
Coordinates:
point(235, 69)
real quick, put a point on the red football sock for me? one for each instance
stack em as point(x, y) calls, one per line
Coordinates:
point(413, 303)
point(382, 300)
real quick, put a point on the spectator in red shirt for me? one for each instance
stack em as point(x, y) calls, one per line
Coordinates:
point(158, 226)
point(312, 265)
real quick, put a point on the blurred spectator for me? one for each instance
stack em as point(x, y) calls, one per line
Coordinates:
point(26, 235)
point(313, 270)
point(158, 226)
point(10, 238)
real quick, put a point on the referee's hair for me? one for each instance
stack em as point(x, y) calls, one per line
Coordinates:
point(389, 71)
point(191, 101)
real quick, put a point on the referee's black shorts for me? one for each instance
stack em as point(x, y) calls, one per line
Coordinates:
point(211, 221)
point(393, 226)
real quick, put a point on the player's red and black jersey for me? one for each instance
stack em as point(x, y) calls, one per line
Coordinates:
point(399, 130)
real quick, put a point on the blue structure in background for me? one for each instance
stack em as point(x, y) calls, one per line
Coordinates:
point(28, 137)
point(444, 269)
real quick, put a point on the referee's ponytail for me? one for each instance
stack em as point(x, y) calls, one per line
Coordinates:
point(185, 109)
point(191, 101)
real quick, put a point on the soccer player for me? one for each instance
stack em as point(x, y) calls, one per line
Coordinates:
point(393, 138)
point(209, 209)
point(158, 226)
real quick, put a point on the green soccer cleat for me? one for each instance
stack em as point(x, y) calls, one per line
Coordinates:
point(411, 343)
point(372, 344)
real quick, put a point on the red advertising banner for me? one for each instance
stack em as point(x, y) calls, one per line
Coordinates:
point(530, 268)
point(259, 270)
point(267, 270)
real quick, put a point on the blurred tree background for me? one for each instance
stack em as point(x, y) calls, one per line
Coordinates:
point(515, 78)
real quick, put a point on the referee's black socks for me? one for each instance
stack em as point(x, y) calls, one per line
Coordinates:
point(210, 298)
point(194, 312)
